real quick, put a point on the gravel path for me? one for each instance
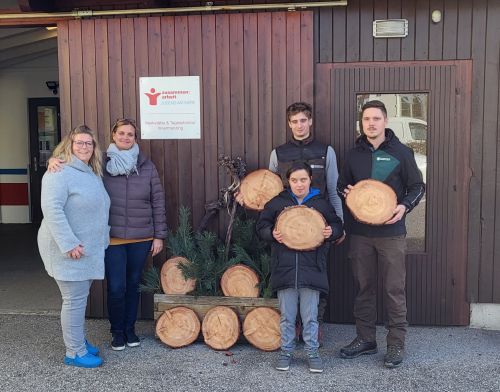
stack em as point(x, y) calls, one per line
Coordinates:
point(438, 359)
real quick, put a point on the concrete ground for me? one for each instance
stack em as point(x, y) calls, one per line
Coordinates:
point(438, 359)
point(24, 283)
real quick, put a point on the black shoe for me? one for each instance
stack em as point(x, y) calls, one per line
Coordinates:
point(118, 342)
point(394, 356)
point(358, 347)
point(132, 339)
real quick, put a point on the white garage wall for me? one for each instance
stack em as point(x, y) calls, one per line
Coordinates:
point(17, 84)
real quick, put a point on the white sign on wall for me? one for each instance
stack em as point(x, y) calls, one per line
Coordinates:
point(170, 107)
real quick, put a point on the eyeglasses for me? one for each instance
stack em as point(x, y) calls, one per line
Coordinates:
point(80, 143)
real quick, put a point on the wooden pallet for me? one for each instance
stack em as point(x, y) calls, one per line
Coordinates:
point(201, 305)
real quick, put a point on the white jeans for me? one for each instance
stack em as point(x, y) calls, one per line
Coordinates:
point(74, 296)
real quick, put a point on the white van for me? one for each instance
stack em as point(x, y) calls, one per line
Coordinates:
point(413, 133)
point(408, 129)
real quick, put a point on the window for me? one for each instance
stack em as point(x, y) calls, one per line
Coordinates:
point(407, 117)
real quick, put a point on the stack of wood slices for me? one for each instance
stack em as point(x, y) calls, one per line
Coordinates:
point(221, 319)
point(181, 316)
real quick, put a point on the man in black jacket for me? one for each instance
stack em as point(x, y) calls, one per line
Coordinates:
point(380, 155)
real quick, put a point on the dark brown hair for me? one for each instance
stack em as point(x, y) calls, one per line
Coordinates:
point(124, 121)
point(299, 107)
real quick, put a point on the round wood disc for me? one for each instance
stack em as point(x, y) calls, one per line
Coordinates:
point(262, 328)
point(260, 186)
point(240, 281)
point(221, 328)
point(301, 227)
point(178, 327)
point(172, 279)
point(371, 202)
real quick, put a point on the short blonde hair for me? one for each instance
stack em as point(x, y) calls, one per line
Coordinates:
point(64, 150)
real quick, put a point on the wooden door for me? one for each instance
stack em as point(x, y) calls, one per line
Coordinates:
point(436, 274)
point(44, 135)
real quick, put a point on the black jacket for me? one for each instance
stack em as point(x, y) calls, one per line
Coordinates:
point(392, 163)
point(291, 268)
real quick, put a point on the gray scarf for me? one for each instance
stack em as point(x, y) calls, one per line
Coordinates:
point(122, 162)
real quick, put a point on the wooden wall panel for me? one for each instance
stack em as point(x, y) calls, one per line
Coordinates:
point(251, 66)
point(197, 148)
point(64, 76)
point(279, 78)
point(265, 84)
point(490, 268)
point(170, 170)
point(306, 86)
point(76, 75)
point(468, 30)
point(102, 77)
point(210, 110)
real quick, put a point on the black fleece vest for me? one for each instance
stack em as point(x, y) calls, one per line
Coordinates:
point(310, 151)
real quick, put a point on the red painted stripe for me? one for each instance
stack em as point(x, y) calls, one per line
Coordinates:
point(14, 194)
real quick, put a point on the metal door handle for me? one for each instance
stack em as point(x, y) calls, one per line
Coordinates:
point(35, 164)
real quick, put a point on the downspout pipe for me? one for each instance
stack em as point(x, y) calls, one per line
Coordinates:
point(79, 14)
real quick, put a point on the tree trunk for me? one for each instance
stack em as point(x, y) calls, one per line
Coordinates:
point(240, 281)
point(178, 327)
point(172, 279)
point(262, 328)
point(371, 202)
point(221, 328)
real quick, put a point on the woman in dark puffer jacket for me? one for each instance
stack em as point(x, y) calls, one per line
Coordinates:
point(138, 226)
point(298, 276)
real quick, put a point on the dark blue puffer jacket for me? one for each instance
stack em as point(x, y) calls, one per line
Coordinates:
point(291, 268)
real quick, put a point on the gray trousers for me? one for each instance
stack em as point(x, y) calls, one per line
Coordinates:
point(369, 255)
point(306, 301)
point(74, 302)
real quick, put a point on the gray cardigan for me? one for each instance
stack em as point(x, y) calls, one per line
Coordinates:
point(75, 207)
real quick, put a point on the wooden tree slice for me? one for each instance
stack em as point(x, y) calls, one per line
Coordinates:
point(240, 281)
point(178, 327)
point(260, 186)
point(221, 328)
point(172, 279)
point(262, 328)
point(301, 227)
point(371, 202)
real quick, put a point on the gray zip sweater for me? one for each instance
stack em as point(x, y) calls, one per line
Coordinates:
point(75, 207)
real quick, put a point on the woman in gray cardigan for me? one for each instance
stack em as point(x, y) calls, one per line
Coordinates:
point(74, 235)
point(138, 226)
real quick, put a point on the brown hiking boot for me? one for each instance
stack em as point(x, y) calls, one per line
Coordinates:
point(394, 356)
point(358, 347)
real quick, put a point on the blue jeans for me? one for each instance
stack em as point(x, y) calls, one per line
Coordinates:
point(74, 302)
point(124, 264)
point(289, 303)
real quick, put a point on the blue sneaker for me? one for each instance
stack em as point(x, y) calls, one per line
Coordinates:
point(87, 361)
point(91, 349)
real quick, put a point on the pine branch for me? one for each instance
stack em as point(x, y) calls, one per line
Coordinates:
point(151, 282)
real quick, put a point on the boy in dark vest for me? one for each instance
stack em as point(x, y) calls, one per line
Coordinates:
point(303, 147)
